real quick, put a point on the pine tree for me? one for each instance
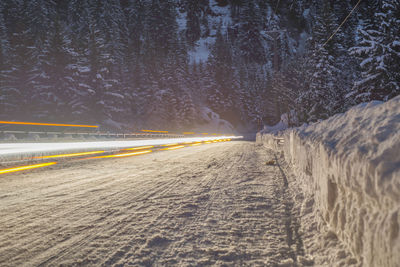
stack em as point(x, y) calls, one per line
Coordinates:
point(379, 52)
point(8, 97)
point(321, 95)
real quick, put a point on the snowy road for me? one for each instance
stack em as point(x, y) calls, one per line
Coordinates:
point(207, 205)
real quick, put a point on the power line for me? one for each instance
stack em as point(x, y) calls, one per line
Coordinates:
point(344, 21)
point(277, 5)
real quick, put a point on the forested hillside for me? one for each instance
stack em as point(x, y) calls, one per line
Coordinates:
point(157, 63)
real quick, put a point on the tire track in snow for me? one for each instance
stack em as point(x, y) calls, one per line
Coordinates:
point(217, 204)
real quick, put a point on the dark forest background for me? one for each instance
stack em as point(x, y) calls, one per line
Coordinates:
point(127, 63)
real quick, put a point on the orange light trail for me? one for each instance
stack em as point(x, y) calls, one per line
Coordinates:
point(207, 142)
point(197, 144)
point(171, 144)
point(138, 148)
point(151, 131)
point(48, 124)
point(28, 167)
point(123, 155)
point(70, 155)
point(173, 148)
point(188, 132)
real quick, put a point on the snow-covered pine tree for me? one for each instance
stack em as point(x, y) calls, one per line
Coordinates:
point(379, 51)
point(8, 96)
point(321, 95)
point(223, 76)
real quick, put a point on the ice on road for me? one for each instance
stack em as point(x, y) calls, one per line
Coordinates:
point(217, 204)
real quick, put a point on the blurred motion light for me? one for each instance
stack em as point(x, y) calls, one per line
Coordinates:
point(70, 155)
point(48, 124)
point(151, 131)
point(173, 148)
point(28, 167)
point(138, 148)
point(123, 154)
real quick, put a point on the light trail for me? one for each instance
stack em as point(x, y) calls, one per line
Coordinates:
point(172, 148)
point(188, 132)
point(138, 148)
point(28, 167)
point(207, 142)
point(70, 155)
point(175, 144)
point(14, 151)
point(152, 131)
point(123, 155)
point(205, 133)
point(197, 144)
point(47, 124)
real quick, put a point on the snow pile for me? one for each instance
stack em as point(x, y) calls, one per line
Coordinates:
point(210, 121)
point(350, 166)
point(280, 126)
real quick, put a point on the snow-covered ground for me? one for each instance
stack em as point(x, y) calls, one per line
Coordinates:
point(218, 205)
point(349, 167)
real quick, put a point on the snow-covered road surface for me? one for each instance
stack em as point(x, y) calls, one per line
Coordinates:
point(207, 205)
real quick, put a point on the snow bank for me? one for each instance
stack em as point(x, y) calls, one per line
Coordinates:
point(350, 165)
point(280, 126)
point(211, 121)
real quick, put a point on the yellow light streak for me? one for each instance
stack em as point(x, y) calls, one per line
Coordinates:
point(70, 155)
point(48, 124)
point(188, 132)
point(197, 144)
point(173, 148)
point(214, 134)
point(123, 155)
point(171, 144)
point(152, 131)
point(28, 167)
point(138, 148)
point(207, 142)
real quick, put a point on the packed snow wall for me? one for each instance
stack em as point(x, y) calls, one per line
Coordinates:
point(350, 165)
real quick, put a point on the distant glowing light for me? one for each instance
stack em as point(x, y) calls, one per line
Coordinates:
point(70, 155)
point(173, 148)
point(188, 132)
point(152, 131)
point(48, 124)
point(123, 155)
point(28, 167)
point(138, 148)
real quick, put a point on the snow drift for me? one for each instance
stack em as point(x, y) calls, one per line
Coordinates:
point(350, 165)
